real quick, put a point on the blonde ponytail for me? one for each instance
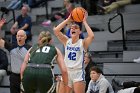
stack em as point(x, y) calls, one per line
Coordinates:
point(45, 38)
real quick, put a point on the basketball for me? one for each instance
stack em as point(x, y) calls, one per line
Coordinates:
point(78, 14)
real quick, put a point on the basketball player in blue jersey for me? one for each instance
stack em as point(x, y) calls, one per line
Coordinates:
point(74, 53)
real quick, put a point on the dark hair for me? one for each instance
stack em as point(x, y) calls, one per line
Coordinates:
point(79, 24)
point(137, 90)
point(96, 69)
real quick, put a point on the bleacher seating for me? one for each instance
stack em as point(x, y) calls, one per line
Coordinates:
point(127, 71)
point(133, 34)
point(117, 45)
point(129, 56)
point(100, 57)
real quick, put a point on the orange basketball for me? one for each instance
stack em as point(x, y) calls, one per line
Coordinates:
point(78, 14)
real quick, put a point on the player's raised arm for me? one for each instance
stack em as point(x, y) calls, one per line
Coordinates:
point(57, 31)
point(88, 40)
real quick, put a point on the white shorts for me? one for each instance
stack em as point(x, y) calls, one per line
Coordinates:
point(75, 75)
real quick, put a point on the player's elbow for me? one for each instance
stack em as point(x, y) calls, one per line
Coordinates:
point(91, 36)
point(56, 31)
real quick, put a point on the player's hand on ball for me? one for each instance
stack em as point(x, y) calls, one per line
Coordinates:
point(70, 18)
point(85, 17)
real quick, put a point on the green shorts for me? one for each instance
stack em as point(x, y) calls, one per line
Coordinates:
point(37, 79)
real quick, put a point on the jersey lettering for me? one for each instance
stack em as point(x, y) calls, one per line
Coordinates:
point(73, 48)
point(45, 49)
point(72, 56)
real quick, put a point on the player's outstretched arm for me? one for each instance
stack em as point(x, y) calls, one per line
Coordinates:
point(88, 40)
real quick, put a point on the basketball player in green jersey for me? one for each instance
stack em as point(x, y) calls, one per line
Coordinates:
point(36, 71)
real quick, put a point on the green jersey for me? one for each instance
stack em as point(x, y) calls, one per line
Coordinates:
point(43, 55)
